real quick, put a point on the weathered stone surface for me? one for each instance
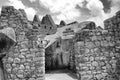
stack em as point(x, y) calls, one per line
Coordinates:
point(99, 55)
point(36, 19)
point(94, 53)
point(19, 62)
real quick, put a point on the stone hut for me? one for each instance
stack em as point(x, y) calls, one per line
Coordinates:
point(46, 26)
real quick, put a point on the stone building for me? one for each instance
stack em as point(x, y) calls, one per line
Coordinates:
point(46, 25)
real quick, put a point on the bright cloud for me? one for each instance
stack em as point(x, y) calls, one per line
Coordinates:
point(115, 6)
point(96, 8)
point(0, 10)
point(65, 8)
point(97, 13)
point(68, 12)
point(32, 1)
point(30, 12)
point(19, 5)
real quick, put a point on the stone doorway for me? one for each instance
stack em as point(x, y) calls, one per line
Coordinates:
point(57, 61)
point(5, 44)
point(58, 65)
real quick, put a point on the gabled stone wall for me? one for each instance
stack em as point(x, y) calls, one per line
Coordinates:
point(46, 26)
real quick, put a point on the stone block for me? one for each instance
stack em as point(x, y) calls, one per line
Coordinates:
point(102, 63)
point(32, 79)
point(91, 58)
point(94, 63)
point(22, 67)
point(38, 59)
point(16, 60)
point(86, 59)
point(10, 60)
point(90, 45)
point(86, 50)
point(39, 54)
point(14, 70)
point(86, 77)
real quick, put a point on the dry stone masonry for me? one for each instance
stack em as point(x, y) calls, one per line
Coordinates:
point(25, 61)
point(92, 52)
point(97, 51)
point(95, 56)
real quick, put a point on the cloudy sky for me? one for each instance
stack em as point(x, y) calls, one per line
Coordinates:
point(68, 10)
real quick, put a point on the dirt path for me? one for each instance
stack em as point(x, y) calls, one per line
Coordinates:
point(60, 75)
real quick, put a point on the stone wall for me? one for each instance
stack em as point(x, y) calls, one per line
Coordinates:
point(113, 26)
point(95, 55)
point(25, 61)
point(97, 51)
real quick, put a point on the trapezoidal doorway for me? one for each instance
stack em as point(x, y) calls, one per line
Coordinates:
point(58, 62)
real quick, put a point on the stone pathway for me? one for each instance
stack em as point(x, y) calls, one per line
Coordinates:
point(60, 75)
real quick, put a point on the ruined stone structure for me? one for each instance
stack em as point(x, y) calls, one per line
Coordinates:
point(97, 52)
point(62, 23)
point(95, 55)
point(46, 26)
point(90, 26)
point(91, 52)
point(24, 61)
